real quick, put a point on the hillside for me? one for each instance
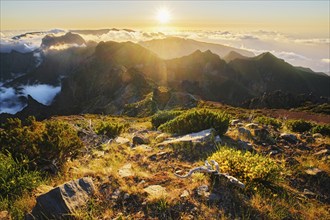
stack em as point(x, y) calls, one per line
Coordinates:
point(133, 169)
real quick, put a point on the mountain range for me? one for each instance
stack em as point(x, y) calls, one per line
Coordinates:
point(141, 78)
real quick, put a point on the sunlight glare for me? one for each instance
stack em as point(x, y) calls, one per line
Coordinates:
point(163, 15)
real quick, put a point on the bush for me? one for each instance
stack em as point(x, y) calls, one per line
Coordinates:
point(322, 129)
point(268, 121)
point(197, 120)
point(246, 166)
point(109, 129)
point(163, 117)
point(15, 178)
point(40, 141)
point(299, 125)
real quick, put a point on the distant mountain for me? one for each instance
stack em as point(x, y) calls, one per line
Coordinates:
point(266, 73)
point(174, 47)
point(68, 38)
point(113, 77)
point(232, 55)
point(14, 64)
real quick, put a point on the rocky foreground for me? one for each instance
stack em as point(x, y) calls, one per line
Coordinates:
point(136, 175)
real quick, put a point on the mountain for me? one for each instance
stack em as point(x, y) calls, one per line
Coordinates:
point(174, 47)
point(232, 55)
point(14, 64)
point(113, 78)
point(68, 38)
point(266, 73)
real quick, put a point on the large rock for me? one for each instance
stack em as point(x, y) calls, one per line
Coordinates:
point(291, 138)
point(62, 201)
point(198, 137)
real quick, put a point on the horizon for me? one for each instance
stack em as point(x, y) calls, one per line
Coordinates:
point(296, 31)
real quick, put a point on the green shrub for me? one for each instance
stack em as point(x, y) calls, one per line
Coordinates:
point(299, 125)
point(109, 129)
point(246, 166)
point(197, 120)
point(268, 121)
point(163, 117)
point(322, 129)
point(15, 177)
point(40, 141)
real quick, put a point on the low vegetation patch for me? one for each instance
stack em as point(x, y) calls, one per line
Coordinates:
point(163, 117)
point(197, 120)
point(269, 121)
point(322, 129)
point(246, 166)
point(298, 125)
point(110, 129)
point(42, 142)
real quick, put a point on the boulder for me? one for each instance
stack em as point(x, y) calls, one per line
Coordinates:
point(252, 125)
point(198, 137)
point(244, 132)
point(155, 191)
point(291, 138)
point(261, 134)
point(138, 140)
point(126, 170)
point(62, 201)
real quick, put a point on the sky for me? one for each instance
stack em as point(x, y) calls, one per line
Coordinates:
point(296, 31)
point(309, 18)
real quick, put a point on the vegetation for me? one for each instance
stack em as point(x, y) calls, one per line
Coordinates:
point(42, 142)
point(322, 129)
point(163, 117)
point(109, 129)
point(16, 180)
point(197, 120)
point(246, 166)
point(268, 121)
point(299, 125)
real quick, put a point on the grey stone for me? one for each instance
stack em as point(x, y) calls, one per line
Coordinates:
point(252, 125)
point(155, 190)
point(203, 190)
point(126, 170)
point(121, 140)
point(291, 138)
point(139, 140)
point(62, 201)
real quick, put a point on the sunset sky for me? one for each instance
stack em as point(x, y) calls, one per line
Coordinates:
point(299, 17)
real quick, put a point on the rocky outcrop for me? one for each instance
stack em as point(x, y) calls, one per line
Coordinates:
point(62, 201)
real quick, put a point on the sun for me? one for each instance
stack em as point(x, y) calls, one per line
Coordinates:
point(163, 15)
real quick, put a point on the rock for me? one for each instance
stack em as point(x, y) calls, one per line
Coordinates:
point(203, 190)
point(63, 200)
point(235, 122)
point(245, 145)
point(115, 195)
point(261, 134)
point(121, 140)
point(138, 140)
point(198, 137)
point(244, 132)
point(155, 190)
point(126, 170)
point(322, 153)
point(291, 138)
point(217, 139)
point(313, 171)
point(184, 194)
point(317, 135)
point(143, 147)
point(252, 125)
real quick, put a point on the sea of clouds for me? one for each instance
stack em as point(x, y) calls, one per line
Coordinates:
point(307, 52)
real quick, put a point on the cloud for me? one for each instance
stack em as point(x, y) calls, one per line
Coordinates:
point(42, 93)
point(10, 102)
